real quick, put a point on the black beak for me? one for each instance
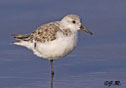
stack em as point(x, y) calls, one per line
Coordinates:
point(86, 30)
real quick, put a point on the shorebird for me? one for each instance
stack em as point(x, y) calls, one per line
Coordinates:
point(53, 40)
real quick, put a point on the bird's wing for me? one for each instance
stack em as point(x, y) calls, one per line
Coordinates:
point(45, 33)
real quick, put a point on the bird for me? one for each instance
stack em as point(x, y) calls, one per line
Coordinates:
point(53, 40)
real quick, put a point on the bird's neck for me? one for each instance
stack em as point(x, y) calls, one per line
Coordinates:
point(65, 26)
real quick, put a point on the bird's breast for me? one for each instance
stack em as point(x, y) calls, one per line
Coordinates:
point(57, 48)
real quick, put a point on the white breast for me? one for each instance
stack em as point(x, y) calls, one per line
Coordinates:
point(57, 48)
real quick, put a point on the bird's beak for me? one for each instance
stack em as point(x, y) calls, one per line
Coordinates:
point(86, 30)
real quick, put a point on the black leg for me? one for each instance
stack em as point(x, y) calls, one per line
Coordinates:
point(52, 73)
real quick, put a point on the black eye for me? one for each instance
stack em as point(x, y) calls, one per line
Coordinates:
point(74, 21)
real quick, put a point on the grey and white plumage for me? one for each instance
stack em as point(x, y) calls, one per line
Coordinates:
point(53, 40)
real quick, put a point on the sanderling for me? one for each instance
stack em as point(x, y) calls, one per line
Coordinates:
point(53, 40)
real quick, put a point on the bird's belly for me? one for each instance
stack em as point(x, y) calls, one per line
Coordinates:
point(57, 48)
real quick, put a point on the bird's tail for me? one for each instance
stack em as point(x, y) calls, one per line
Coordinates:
point(21, 37)
point(22, 40)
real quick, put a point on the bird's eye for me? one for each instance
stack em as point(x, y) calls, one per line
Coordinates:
point(74, 21)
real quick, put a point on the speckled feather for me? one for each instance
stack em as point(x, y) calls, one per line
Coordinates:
point(47, 32)
point(44, 33)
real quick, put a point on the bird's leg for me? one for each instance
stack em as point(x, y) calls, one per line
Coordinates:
point(52, 72)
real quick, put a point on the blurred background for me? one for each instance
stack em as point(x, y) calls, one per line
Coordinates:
point(97, 58)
